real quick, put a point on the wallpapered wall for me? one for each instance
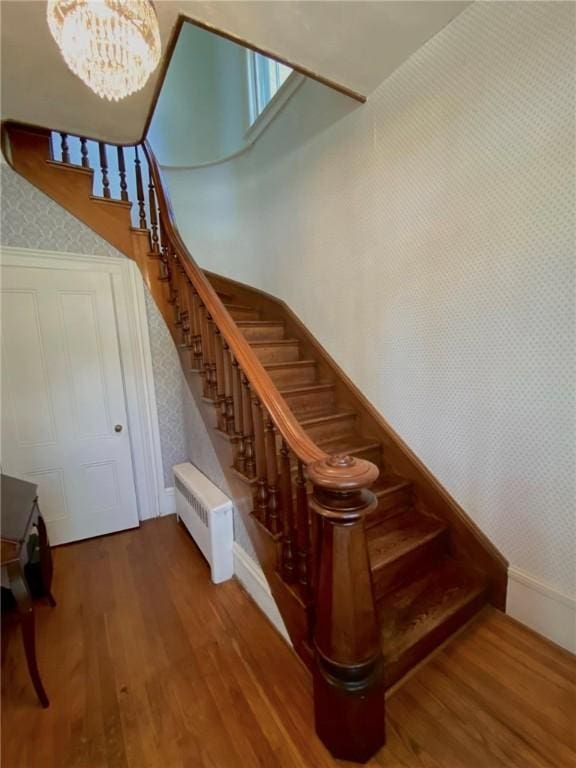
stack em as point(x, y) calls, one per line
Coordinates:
point(427, 239)
point(30, 219)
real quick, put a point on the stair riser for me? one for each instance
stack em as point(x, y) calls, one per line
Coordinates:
point(311, 402)
point(263, 332)
point(282, 353)
point(244, 314)
point(394, 670)
point(372, 454)
point(331, 430)
point(411, 565)
point(300, 375)
point(390, 504)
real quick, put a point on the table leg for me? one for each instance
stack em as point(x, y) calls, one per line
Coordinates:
point(27, 623)
point(46, 567)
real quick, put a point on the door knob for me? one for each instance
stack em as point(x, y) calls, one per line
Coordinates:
point(118, 428)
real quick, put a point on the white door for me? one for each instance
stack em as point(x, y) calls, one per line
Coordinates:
point(63, 416)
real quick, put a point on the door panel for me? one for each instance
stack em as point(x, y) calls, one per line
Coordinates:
point(62, 395)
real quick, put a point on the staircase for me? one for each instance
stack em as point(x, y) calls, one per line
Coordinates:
point(373, 565)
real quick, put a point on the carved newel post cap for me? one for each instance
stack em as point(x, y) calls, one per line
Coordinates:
point(341, 472)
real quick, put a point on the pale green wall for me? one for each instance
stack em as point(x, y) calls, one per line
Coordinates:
point(202, 112)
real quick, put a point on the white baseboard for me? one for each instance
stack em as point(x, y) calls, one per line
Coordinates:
point(542, 608)
point(167, 503)
point(252, 578)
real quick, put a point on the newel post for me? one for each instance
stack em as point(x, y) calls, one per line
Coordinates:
point(348, 674)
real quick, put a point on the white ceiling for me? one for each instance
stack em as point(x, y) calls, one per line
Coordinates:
point(355, 44)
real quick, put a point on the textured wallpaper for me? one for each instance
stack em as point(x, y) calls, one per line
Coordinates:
point(30, 219)
point(427, 239)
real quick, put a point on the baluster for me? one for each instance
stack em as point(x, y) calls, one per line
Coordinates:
point(139, 191)
point(220, 380)
point(288, 570)
point(122, 173)
point(197, 339)
point(272, 516)
point(249, 463)
point(153, 219)
point(84, 153)
point(261, 500)
point(104, 169)
point(302, 531)
point(187, 324)
point(212, 358)
point(205, 369)
point(228, 390)
point(349, 702)
point(64, 148)
point(240, 462)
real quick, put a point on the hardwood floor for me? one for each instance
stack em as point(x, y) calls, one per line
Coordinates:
point(148, 665)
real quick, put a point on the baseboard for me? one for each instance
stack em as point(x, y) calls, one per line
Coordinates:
point(252, 578)
point(167, 503)
point(542, 608)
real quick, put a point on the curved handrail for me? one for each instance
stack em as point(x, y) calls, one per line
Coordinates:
point(265, 389)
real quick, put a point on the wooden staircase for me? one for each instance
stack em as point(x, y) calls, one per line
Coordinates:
point(425, 590)
point(369, 582)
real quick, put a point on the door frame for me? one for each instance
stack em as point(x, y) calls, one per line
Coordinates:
point(152, 498)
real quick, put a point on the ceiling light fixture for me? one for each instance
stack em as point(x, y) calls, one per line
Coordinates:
point(112, 45)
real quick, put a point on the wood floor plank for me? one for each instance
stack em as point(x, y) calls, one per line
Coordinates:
point(150, 665)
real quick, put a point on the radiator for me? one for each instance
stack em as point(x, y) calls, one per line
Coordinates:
point(207, 514)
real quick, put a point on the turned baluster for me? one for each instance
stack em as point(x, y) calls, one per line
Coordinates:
point(174, 285)
point(154, 241)
point(272, 514)
point(104, 169)
point(220, 380)
point(288, 566)
point(84, 153)
point(348, 674)
point(240, 461)
point(302, 531)
point(228, 390)
point(261, 498)
point(249, 462)
point(196, 337)
point(122, 174)
point(205, 369)
point(212, 358)
point(187, 325)
point(64, 147)
point(139, 191)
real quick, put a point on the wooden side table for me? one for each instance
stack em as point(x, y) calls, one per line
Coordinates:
point(19, 513)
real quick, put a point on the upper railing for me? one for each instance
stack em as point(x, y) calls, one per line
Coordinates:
point(323, 555)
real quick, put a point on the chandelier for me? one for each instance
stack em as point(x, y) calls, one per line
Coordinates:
point(112, 45)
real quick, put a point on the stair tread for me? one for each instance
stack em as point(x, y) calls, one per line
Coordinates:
point(239, 306)
point(272, 342)
point(289, 363)
point(387, 483)
point(392, 538)
point(252, 323)
point(335, 415)
point(348, 444)
point(414, 610)
point(304, 388)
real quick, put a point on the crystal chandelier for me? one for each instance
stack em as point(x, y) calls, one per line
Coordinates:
point(112, 45)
